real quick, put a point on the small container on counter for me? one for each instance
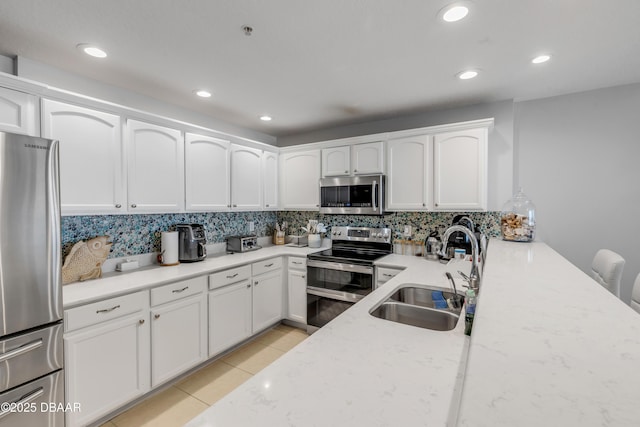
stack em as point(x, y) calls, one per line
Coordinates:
point(518, 219)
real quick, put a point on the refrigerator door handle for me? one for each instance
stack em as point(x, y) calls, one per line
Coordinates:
point(21, 403)
point(53, 236)
point(20, 350)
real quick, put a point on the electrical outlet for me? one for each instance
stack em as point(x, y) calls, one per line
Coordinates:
point(407, 230)
point(251, 226)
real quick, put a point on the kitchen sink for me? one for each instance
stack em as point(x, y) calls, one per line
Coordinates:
point(416, 306)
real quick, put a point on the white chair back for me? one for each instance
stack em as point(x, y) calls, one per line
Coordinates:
point(606, 269)
point(635, 295)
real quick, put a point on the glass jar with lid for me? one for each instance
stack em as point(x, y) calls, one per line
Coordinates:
point(518, 219)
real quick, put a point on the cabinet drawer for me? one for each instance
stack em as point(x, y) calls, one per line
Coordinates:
point(226, 277)
point(178, 290)
point(102, 311)
point(266, 265)
point(297, 263)
point(385, 274)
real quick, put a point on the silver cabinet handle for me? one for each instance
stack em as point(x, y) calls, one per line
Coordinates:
point(388, 275)
point(177, 291)
point(256, 283)
point(232, 276)
point(118, 206)
point(20, 350)
point(267, 205)
point(22, 402)
point(133, 205)
point(296, 262)
point(108, 310)
point(268, 265)
point(248, 285)
point(141, 321)
point(156, 316)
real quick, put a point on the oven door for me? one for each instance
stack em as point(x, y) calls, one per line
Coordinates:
point(333, 287)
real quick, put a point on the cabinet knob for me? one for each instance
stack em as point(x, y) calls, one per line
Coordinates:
point(156, 316)
point(141, 321)
point(436, 204)
point(248, 285)
point(304, 277)
point(118, 206)
point(424, 204)
point(267, 205)
point(133, 205)
point(347, 171)
point(317, 206)
point(256, 283)
point(355, 170)
point(235, 206)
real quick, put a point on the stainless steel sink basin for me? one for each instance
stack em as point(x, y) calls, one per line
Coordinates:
point(416, 306)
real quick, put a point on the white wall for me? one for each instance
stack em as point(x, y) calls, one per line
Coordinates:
point(578, 159)
point(501, 154)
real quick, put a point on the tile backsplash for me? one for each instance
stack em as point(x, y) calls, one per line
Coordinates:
point(140, 234)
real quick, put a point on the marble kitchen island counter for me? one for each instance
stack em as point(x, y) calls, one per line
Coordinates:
point(550, 347)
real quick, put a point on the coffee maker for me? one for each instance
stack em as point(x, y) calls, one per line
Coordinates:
point(191, 242)
point(460, 240)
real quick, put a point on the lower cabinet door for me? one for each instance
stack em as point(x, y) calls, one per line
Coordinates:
point(178, 337)
point(297, 296)
point(229, 316)
point(106, 366)
point(267, 300)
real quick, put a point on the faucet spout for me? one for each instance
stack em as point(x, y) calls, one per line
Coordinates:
point(474, 275)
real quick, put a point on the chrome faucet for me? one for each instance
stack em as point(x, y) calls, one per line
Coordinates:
point(474, 275)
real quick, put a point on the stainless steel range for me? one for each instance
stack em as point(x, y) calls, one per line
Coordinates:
point(339, 277)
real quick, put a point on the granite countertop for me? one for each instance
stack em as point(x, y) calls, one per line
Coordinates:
point(120, 283)
point(550, 347)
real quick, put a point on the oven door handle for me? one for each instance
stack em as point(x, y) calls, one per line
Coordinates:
point(337, 295)
point(340, 266)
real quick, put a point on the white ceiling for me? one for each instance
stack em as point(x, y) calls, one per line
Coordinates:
point(316, 64)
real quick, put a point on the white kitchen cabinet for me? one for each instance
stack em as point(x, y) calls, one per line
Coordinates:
point(229, 316)
point(178, 328)
point(409, 173)
point(267, 293)
point(460, 170)
point(299, 176)
point(91, 158)
point(297, 290)
point(356, 159)
point(267, 300)
point(270, 180)
point(106, 355)
point(246, 178)
point(18, 113)
point(336, 161)
point(367, 158)
point(156, 168)
point(207, 174)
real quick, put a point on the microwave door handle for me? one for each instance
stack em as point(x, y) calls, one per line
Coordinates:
point(373, 195)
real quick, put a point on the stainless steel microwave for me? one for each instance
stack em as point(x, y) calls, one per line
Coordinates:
point(355, 195)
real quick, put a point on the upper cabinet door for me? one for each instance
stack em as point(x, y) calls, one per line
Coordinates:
point(207, 173)
point(367, 158)
point(18, 112)
point(299, 176)
point(409, 173)
point(460, 170)
point(246, 178)
point(270, 180)
point(156, 168)
point(336, 161)
point(91, 158)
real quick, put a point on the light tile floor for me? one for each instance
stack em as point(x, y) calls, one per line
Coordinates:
point(187, 398)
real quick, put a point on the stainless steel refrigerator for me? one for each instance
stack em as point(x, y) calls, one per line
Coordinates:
point(31, 356)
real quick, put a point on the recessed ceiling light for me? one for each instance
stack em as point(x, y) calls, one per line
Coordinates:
point(540, 59)
point(266, 118)
point(203, 93)
point(92, 50)
point(466, 75)
point(454, 12)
